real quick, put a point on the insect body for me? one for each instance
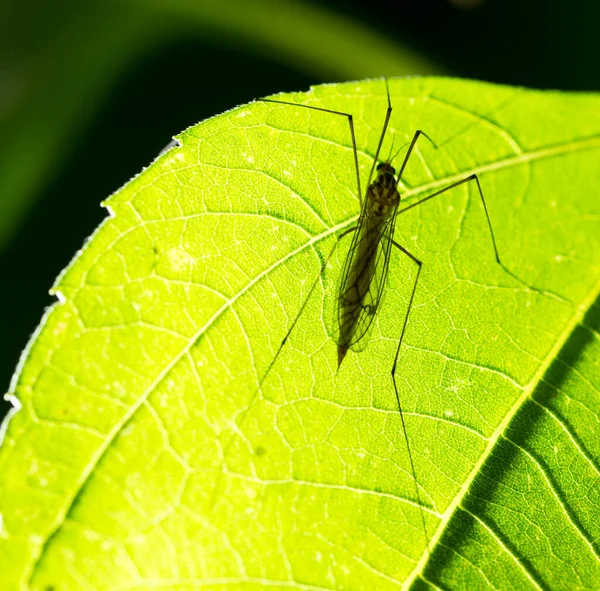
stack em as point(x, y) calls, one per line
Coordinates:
point(365, 270)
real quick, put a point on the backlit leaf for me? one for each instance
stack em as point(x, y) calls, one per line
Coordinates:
point(146, 456)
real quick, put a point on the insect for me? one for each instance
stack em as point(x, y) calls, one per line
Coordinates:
point(365, 270)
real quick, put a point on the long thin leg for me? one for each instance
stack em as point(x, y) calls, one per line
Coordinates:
point(289, 332)
point(412, 464)
point(388, 114)
point(418, 134)
point(350, 123)
point(474, 177)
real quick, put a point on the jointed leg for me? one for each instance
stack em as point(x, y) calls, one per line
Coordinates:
point(388, 114)
point(350, 123)
point(287, 334)
point(474, 177)
point(412, 464)
point(418, 133)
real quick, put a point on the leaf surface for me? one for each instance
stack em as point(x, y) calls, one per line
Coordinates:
point(146, 455)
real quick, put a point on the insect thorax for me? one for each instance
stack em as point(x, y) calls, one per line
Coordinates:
point(382, 195)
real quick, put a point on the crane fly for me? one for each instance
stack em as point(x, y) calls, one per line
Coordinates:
point(363, 280)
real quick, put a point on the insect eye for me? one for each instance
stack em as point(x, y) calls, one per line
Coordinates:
point(380, 165)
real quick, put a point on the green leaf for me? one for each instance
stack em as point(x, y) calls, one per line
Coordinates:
point(146, 456)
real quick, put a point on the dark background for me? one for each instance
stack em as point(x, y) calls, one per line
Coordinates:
point(536, 43)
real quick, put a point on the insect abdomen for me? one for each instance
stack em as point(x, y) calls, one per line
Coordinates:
point(356, 286)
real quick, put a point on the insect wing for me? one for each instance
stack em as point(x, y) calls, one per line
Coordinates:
point(365, 272)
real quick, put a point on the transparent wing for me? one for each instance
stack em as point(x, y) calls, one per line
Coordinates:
point(363, 281)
